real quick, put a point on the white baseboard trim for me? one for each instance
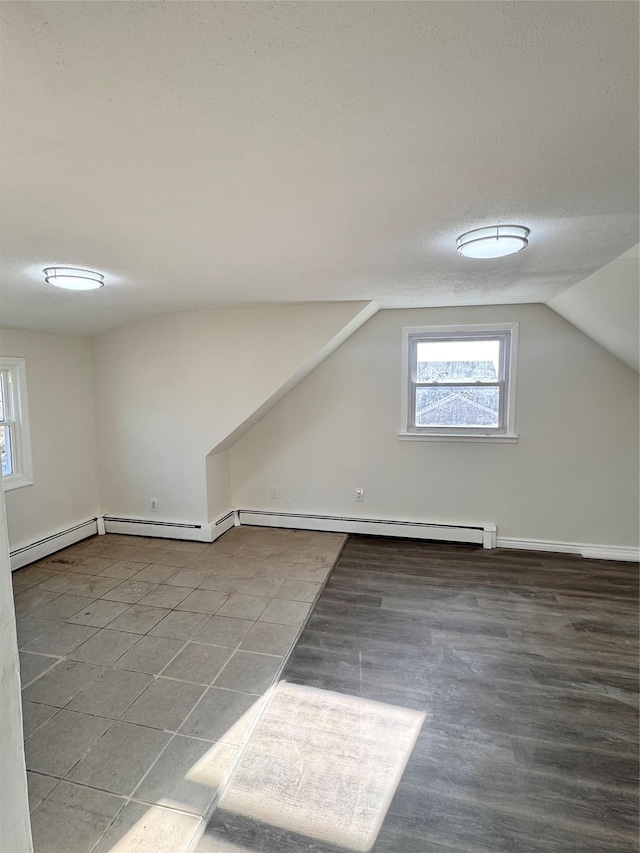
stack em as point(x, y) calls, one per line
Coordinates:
point(480, 534)
point(41, 548)
point(207, 532)
point(592, 552)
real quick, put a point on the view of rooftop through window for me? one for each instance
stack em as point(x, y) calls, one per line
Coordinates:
point(459, 395)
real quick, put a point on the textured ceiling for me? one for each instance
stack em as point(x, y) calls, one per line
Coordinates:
point(205, 154)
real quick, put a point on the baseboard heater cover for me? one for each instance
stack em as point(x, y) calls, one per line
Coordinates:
point(207, 532)
point(480, 534)
point(42, 548)
point(580, 549)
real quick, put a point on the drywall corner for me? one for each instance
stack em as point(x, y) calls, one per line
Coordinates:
point(15, 828)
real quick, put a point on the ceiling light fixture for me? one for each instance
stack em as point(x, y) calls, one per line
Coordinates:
point(73, 278)
point(496, 241)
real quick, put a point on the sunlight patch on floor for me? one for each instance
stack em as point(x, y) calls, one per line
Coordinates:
point(323, 765)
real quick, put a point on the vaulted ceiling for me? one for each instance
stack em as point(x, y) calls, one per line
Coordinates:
point(213, 153)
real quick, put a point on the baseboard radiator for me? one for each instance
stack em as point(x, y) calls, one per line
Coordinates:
point(207, 532)
point(41, 548)
point(479, 534)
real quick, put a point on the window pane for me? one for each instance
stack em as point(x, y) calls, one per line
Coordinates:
point(458, 361)
point(5, 450)
point(458, 406)
point(2, 396)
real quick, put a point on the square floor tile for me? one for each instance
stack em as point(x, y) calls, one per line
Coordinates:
point(315, 574)
point(60, 639)
point(105, 647)
point(267, 587)
point(150, 654)
point(221, 583)
point(203, 601)
point(285, 612)
point(94, 586)
point(138, 619)
point(179, 625)
point(296, 590)
point(31, 666)
point(123, 569)
point(59, 685)
point(32, 575)
point(130, 591)
point(249, 672)
point(164, 704)
point(243, 606)
point(98, 613)
point(29, 628)
point(198, 663)
point(173, 558)
point(60, 581)
point(166, 595)
point(188, 546)
point(149, 830)
point(63, 741)
point(187, 774)
point(222, 715)
point(90, 563)
point(61, 607)
point(223, 631)
point(120, 759)
point(39, 786)
point(26, 599)
point(269, 638)
point(72, 819)
point(111, 693)
point(155, 574)
point(35, 715)
point(191, 577)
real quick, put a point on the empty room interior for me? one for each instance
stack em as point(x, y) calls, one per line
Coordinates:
point(319, 427)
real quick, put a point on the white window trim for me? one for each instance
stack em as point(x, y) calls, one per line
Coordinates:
point(509, 436)
point(23, 474)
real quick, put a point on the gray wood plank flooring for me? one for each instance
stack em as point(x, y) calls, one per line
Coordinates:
point(526, 665)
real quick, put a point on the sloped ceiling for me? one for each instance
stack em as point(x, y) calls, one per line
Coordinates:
point(606, 306)
point(208, 154)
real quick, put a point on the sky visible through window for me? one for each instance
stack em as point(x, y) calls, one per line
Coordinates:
point(469, 351)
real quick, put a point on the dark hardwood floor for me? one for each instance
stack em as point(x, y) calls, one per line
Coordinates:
point(526, 665)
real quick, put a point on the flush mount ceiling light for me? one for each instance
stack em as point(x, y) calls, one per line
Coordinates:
point(495, 241)
point(73, 278)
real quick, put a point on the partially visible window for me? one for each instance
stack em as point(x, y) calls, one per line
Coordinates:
point(459, 381)
point(15, 438)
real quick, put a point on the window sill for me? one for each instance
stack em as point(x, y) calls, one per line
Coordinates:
point(15, 481)
point(436, 436)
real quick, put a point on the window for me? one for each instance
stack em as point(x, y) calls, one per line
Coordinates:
point(15, 439)
point(459, 382)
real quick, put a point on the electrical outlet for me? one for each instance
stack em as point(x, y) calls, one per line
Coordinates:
point(274, 491)
point(359, 495)
point(154, 504)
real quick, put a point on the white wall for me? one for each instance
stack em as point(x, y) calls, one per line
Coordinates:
point(15, 829)
point(63, 438)
point(572, 476)
point(606, 306)
point(171, 389)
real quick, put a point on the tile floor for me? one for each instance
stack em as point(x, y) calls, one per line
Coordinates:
point(143, 663)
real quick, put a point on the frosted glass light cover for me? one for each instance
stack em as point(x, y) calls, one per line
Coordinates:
point(73, 278)
point(495, 241)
